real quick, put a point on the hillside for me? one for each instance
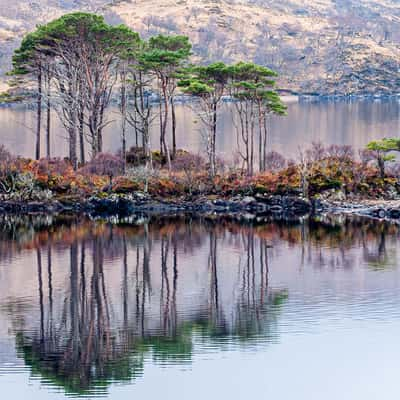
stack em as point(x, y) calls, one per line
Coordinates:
point(317, 46)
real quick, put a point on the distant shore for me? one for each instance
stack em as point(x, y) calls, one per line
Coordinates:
point(25, 100)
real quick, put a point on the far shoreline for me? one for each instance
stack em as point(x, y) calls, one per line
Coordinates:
point(286, 96)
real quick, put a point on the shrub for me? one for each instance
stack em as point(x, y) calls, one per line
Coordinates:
point(340, 153)
point(105, 164)
point(54, 166)
point(275, 161)
point(136, 156)
point(188, 166)
point(8, 170)
point(316, 152)
point(123, 184)
point(185, 161)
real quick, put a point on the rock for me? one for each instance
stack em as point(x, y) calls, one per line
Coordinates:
point(110, 206)
point(248, 200)
point(276, 208)
point(248, 216)
point(394, 213)
point(381, 213)
point(332, 195)
point(392, 193)
point(128, 204)
point(140, 196)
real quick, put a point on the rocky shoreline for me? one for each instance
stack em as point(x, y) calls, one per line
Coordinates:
point(243, 207)
point(140, 203)
point(379, 209)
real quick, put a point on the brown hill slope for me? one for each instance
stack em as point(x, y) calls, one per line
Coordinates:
point(324, 46)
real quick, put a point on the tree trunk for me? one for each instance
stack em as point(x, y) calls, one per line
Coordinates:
point(260, 141)
point(72, 147)
point(123, 113)
point(265, 144)
point(381, 166)
point(161, 128)
point(213, 139)
point(164, 125)
point(72, 138)
point(81, 118)
point(48, 127)
point(81, 136)
point(39, 114)
point(173, 127)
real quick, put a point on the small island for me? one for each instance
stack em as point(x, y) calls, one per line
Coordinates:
point(78, 66)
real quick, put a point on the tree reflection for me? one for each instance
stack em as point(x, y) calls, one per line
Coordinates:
point(80, 349)
point(135, 292)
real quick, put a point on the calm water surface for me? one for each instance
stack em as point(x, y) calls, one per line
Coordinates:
point(353, 122)
point(185, 308)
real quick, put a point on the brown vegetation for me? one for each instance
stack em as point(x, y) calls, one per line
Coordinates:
point(322, 171)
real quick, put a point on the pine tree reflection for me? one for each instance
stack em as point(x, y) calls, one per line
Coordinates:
point(131, 292)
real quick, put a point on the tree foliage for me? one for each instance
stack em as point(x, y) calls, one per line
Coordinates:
point(83, 59)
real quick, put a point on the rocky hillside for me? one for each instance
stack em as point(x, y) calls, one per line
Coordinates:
point(317, 46)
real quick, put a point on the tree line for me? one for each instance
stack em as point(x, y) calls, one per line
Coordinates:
point(79, 63)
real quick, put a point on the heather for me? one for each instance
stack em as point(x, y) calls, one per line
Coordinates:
point(333, 172)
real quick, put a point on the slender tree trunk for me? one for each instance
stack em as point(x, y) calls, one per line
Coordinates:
point(213, 139)
point(100, 133)
point(251, 141)
point(81, 136)
point(135, 108)
point(247, 139)
point(72, 138)
point(164, 124)
point(81, 118)
point(123, 113)
point(72, 147)
point(260, 141)
point(173, 127)
point(48, 125)
point(72, 123)
point(39, 113)
point(161, 129)
point(265, 143)
point(381, 166)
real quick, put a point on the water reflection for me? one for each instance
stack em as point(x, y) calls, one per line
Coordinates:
point(91, 335)
point(352, 122)
point(101, 300)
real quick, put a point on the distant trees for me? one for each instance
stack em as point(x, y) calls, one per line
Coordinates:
point(78, 61)
point(209, 84)
point(30, 61)
point(164, 58)
point(83, 50)
point(251, 88)
point(379, 151)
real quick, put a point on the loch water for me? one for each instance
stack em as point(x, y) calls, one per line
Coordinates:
point(199, 308)
point(352, 122)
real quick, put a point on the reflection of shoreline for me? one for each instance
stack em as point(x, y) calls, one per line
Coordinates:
point(27, 232)
point(95, 334)
point(106, 298)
